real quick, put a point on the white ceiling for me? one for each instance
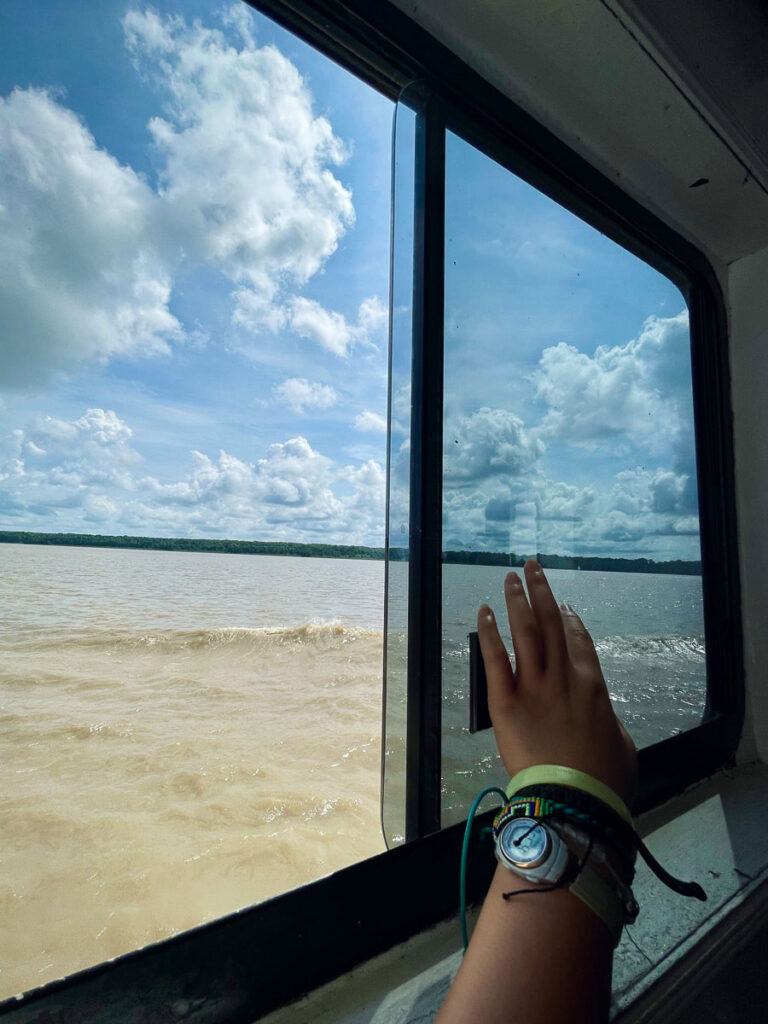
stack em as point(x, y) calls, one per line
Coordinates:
point(657, 94)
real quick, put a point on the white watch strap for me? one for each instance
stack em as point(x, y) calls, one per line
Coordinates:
point(601, 900)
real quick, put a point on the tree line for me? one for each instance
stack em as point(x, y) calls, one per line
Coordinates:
point(257, 547)
point(594, 563)
point(233, 547)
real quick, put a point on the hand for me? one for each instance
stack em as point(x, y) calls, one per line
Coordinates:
point(553, 708)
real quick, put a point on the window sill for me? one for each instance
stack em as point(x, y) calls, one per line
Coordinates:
point(714, 833)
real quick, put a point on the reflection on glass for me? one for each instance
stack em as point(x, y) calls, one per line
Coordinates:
point(568, 431)
point(396, 603)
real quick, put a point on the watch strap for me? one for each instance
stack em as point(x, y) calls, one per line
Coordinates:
point(601, 900)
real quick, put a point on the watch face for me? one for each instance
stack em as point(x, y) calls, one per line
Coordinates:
point(524, 843)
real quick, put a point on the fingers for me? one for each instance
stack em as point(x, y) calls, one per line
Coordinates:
point(579, 643)
point(548, 618)
point(498, 671)
point(523, 627)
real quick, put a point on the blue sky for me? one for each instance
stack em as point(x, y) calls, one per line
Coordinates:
point(194, 258)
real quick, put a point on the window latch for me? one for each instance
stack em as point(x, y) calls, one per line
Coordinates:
point(479, 718)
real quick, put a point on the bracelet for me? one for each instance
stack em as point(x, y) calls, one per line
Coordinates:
point(592, 878)
point(601, 854)
point(584, 811)
point(598, 805)
point(559, 775)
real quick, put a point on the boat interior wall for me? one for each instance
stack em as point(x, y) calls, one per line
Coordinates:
point(748, 314)
point(585, 70)
point(720, 60)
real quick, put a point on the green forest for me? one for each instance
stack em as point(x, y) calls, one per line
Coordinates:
point(257, 547)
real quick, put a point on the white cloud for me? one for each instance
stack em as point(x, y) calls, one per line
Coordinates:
point(89, 251)
point(246, 179)
point(489, 442)
point(367, 501)
point(52, 465)
point(81, 277)
point(104, 426)
point(370, 421)
point(643, 513)
point(71, 474)
point(642, 491)
point(301, 394)
point(638, 393)
point(373, 316)
point(330, 330)
point(565, 502)
point(619, 527)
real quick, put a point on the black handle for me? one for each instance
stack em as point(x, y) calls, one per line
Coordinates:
point(479, 717)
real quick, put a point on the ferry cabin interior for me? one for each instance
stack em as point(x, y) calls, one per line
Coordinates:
point(648, 119)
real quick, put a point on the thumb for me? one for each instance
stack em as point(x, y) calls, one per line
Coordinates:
point(498, 670)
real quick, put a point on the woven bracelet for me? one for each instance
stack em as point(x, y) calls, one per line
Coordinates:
point(582, 808)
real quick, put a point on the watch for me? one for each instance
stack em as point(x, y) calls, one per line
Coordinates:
point(532, 849)
point(536, 851)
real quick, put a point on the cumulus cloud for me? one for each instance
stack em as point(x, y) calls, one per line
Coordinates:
point(489, 442)
point(330, 330)
point(642, 491)
point(368, 482)
point(89, 250)
point(301, 394)
point(560, 501)
point(72, 474)
point(533, 512)
point(246, 177)
point(309, 319)
point(638, 392)
point(370, 421)
point(53, 465)
point(81, 276)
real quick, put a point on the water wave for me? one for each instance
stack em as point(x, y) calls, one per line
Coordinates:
point(651, 648)
point(324, 636)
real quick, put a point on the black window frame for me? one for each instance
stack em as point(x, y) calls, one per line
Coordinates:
point(246, 964)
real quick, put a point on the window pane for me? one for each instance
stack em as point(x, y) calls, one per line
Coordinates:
point(401, 352)
point(568, 434)
point(194, 276)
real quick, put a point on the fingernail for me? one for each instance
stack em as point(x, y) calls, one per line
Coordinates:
point(536, 568)
point(568, 608)
point(513, 579)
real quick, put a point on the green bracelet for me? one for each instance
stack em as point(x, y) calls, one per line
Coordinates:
point(559, 775)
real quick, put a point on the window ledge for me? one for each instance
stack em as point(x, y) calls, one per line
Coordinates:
point(714, 834)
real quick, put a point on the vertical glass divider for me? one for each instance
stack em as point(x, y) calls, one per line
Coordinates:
point(423, 756)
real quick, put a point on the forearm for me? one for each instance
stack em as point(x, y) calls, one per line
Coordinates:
point(543, 958)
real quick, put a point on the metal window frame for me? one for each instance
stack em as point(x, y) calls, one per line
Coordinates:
point(242, 966)
point(425, 596)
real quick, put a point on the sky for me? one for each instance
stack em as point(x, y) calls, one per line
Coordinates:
point(194, 289)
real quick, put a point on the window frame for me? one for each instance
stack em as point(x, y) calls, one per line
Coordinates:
point(668, 766)
point(244, 965)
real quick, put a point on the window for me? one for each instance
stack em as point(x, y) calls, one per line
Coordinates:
point(555, 373)
point(347, 918)
point(194, 210)
point(567, 434)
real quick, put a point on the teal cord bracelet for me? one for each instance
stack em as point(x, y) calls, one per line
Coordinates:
point(464, 854)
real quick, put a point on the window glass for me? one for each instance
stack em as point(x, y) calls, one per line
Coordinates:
point(194, 224)
point(398, 511)
point(568, 435)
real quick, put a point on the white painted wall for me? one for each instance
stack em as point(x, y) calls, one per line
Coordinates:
point(747, 299)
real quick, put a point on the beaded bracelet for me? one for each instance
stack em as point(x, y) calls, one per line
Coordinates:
point(593, 798)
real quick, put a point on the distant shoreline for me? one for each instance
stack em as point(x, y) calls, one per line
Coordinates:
point(255, 547)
